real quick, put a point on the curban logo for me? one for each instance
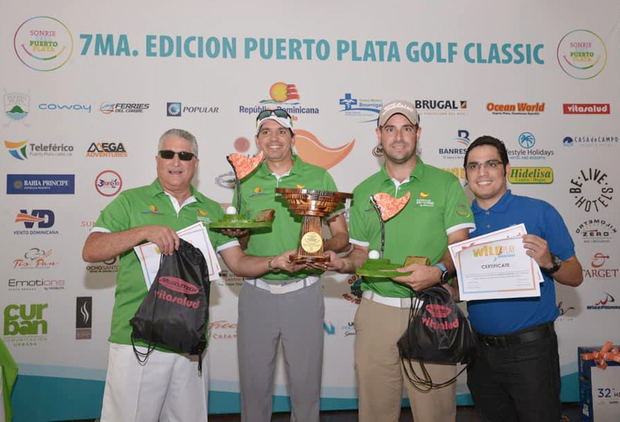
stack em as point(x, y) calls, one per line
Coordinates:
point(178, 285)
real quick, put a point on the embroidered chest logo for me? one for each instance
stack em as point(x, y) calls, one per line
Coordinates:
point(202, 216)
point(423, 200)
point(153, 210)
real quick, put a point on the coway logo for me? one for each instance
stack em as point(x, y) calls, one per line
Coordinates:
point(65, 107)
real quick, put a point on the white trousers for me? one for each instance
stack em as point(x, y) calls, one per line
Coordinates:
point(167, 388)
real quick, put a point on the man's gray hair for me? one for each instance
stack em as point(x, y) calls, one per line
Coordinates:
point(181, 134)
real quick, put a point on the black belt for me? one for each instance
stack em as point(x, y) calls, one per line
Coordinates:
point(524, 336)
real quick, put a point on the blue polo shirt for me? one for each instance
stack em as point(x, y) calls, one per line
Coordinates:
point(503, 316)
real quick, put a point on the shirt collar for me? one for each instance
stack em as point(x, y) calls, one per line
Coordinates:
point(416, 173)
point(156, 189)
point(297, 162)
point(500, 206)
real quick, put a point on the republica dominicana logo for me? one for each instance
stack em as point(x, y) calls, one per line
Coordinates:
point(43, 43)
point(582, 54)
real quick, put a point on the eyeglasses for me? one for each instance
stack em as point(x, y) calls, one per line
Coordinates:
point(490, 164)
point(278, 112)
point(167, 154)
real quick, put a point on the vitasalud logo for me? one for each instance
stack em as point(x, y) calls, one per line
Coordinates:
point(43, 43)
point(591, 190)
point(25, 324)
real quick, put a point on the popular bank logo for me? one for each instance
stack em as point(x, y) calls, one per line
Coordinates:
point(591, 190)
point(36, 222)
point(605, 301)
point(586, 108)
point(39, 184)
point(43, 43)
point(106, 149)
point(600, 267)
point(176, 109)
point(596, 231)
point(108, 183)
point(582, 54)
point(458, 146)
point(109, 108)
point(366, 109)
point(527, 141)
point(16, 105)
point(531, 175)
point(589, 141)
point(35, 258)
point(512, 109)
point(83, 317)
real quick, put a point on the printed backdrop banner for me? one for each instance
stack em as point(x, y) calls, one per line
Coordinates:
point(88, 88)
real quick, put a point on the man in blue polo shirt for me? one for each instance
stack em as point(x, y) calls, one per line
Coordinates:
point(516, 374)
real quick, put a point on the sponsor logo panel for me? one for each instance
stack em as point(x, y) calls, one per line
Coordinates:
point(25, 325)
point(22, 150)
point(115, 108)
point(531, 175)
point(516, 109)
point(108, 183)
point(591, 190)
point(35, 222)
point(600, 267)
point(366, 109)
point(16, 105)
point(106, 149)
point(596, 230)
point(83, 317)
point(35, 258)
point(582, 54)
point(38, 184)
point(43, 43)
point(575, 108)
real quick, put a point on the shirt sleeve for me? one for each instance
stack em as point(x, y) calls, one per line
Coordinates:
point(556, 233)
point(358, 232)
point(458, 213)
point(115, 217)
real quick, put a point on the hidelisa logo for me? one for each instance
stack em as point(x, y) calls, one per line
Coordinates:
point(35, 259)
point(527, 142)
point(22, 150)
point(40, 184)
point(582, 54)
point(591, 190)
point(589, 140)
point(531, 175)
point(108, 183)
point(600, 267)
point(605, 301)
point(586, 108)
point(25, 324)
point(43, 43)
point(516, 109)
point(440, 106)
point(457, 148)
point(109, 266)
point(115, 108)
point(281, 95)
point(596, 230)
point(35, 222)
point(35, 284)
point(177, 109)
point(365, 109)
point(16, 105)
point(83, 317)
point(101, 149)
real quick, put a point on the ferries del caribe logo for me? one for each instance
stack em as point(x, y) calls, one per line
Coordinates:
point(43, 43)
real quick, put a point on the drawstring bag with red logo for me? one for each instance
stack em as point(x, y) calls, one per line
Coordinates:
point(175, 311)
point(438, 332)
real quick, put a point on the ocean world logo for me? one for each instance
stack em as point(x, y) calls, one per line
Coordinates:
point(43, 43)
point(366, 109)
point(281, 92)
point(312, 151)
point(582, 54)
point(108, 183)
point(16, 105)
point(514, 109)
point(17, 149)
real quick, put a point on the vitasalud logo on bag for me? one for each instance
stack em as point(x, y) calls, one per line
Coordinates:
point(439, 321)
point(180, 286)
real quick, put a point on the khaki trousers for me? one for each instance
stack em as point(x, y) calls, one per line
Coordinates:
point(380, 375)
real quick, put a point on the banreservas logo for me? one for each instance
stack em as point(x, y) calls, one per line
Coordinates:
point(457, 148)
point(43, 43)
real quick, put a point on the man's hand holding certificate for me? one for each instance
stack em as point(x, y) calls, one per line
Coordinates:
point(496, 266)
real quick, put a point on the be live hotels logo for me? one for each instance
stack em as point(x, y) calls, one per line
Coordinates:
point(591, 190)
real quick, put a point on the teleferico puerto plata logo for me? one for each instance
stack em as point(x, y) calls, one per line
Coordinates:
point(43, 43)
point(582, 54)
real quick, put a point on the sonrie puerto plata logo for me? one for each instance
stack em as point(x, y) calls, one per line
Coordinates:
point(582, 54)
point(43, 43)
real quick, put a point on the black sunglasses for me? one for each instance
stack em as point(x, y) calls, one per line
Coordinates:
point(278, 112)
point(166, 154)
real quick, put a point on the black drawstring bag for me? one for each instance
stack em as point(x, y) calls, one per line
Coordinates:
point(438, 332)
point(175, 311)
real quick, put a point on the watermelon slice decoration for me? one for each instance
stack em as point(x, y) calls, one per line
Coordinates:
point(242, 165)
point(387, 205)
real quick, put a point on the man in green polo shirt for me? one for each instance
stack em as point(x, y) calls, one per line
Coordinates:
point(284, 307)
point(167, 386)
point(436, 215)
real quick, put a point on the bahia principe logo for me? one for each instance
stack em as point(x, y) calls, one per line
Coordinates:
point(582, 54)
point(43, 43)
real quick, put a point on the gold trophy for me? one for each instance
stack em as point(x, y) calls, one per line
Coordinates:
point(312, 205)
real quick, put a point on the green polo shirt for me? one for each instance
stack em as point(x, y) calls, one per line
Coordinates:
point(148, 205)
point(258, 193)
point(437, 207)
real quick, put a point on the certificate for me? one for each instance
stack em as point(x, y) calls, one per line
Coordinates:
point(497, 269)
point(196, 234)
